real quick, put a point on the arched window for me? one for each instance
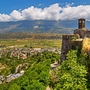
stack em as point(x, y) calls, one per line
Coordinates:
point(79, 21)
point(83, 21)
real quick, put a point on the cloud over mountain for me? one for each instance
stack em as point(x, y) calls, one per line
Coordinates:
point(53, 12)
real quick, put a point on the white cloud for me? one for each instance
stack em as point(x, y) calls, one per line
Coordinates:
point(4, 17)
point(81, 11)
point(16, 15)
point(53, 12)
point(32, 13)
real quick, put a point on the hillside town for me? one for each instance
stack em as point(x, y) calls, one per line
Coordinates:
point(21, 54)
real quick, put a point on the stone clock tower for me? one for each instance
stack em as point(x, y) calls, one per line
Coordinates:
point(81, 23)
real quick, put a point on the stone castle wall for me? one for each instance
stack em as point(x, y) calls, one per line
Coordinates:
point(82, 33)
point(69, 42)
point(74, 41)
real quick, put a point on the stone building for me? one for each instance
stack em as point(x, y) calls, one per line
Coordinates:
point(75, 40)
point(82, 31)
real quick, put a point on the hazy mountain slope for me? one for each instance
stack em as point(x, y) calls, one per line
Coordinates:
point(39, 26)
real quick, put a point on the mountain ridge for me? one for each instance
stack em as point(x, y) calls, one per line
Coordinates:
point(40, 26)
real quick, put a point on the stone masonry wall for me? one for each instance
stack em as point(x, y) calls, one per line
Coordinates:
point(68, 42)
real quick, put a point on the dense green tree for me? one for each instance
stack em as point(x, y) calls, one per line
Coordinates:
point(23, 82)
point(36, 77)
point(14, 87)
point(4, 86)
point(36, 85)
point(44, 78)
point(71, 74)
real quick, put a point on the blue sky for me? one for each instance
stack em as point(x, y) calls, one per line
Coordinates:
point(22, 9)
point(7, 6)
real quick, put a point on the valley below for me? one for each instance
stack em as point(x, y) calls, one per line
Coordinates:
point(32, 54)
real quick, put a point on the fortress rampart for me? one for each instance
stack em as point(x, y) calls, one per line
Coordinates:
point(75, 40)
point(69, 42)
